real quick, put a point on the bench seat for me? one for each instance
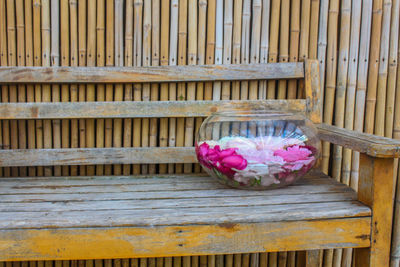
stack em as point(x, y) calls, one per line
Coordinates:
point(108, 217)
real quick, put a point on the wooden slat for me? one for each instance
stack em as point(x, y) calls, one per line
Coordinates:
point(192, 73)
point(138, 109)
point(182, 216)
point(123, 242)
point(372, 145)
point(93, 156)
point(208, 201)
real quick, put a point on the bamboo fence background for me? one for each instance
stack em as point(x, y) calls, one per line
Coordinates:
point(356, 42)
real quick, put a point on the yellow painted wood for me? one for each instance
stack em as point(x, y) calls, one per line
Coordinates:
point(120, 242)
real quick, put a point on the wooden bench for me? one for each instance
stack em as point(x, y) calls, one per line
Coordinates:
point(59, 218)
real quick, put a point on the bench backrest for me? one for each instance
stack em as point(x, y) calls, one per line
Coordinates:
point(78, 111)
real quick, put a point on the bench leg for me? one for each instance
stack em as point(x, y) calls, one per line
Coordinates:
point(376, 189)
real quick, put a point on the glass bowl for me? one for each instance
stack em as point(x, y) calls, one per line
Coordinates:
point(258, 149)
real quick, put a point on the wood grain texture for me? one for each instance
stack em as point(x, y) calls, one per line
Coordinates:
point(313, 91)
point(93, 156)
point(189, 73)
point(372, 145)
point(380, 197)
point(138, 109)
point(126, 242)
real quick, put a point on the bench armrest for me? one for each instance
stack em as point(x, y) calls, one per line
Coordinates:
point(372, 145)
point(375, 186)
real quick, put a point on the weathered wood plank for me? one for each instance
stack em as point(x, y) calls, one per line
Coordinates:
point(138, 109)
point(187, 73)
point(93, 156)
point(376, 189)
point(139, 187)
point(124, 242)
point(182, 216)
point(206, 201)
point(372, 145)
point(15, 182)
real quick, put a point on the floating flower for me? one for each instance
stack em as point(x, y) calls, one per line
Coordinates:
point(224, 160)
point(260, 161)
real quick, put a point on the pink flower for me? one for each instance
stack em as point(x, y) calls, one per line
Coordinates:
point(296, 157)
point(225, 161)
point(293, 153)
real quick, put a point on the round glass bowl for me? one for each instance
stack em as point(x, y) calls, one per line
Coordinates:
point(258, 149)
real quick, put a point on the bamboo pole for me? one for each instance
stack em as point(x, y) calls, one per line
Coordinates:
point(46, 89)
point(12, 95)
point(284, 44)
point(226, 86)
point(395, 251)
point(383, 70)
point(330, 76)
point(373, 66)
point(210, 45)
point(90, 88)
point(256, 92)
point(245, 46)
point(362, 76)
point(313, 43)
point(330, 93)
point(236, 45)
point(30, 90)
point(65, 57)
point(392, 69)
point(4, 125)
point(82, 14)
point(108, 135)
point(191, 87)
point(137, 61)
point(304, 29)
point(304, 39)
point(100, 61)
point(255, 45)
point(128, 96)
point(291, 261)
point(351, 83)
point(218, 44)
point(146, 61)
point(227, 56)
point(181, 87)
point(264, 46)
point(74, 61)
point(219, 20)
point(173, 59)
point(201, 59)
point(55, 61)
point(164, 53)
point(294, 44)
point(119, 88)
point(37, 61)
point(273, 42)
point(20, 23)
point(155, 59)
point(322, 42)
point(350, 102)
point(273, 259)
point(392, 107)
point(341, 84)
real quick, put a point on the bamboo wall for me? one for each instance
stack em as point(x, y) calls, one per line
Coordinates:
point(355, 41)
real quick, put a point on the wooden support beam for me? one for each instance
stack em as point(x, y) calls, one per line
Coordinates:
point(93, 156)
point(192, 73)
point(137, 109)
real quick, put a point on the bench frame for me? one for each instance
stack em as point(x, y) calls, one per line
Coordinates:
point(376, 184)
